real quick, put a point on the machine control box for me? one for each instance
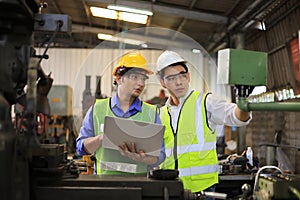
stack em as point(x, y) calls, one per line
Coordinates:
point(60, 99)
point(242, 67)
point(49, 22)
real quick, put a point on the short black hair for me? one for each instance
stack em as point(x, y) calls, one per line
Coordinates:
point(123, 70)
point(161, 73)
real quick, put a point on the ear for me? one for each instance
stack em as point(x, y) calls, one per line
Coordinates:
point(189, 76)
point(162, 83)
point(118, 79)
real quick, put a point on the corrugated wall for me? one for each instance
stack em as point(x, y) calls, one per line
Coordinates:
point(71, 66)
point(283, 24)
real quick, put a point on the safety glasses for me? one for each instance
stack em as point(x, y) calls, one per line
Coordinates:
point(137, 76)
point(181, 76)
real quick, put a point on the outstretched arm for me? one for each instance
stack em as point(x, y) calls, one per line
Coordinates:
point(241, 115)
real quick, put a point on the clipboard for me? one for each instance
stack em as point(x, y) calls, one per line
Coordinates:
point(146, 136)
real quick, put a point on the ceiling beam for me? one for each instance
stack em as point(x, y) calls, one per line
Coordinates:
point(169, 10)
point(159, 42)
point(87, 12)
point(58, 10)
point(255, 6)
point(184, 20)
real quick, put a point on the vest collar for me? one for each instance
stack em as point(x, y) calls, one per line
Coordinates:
point(136, 104)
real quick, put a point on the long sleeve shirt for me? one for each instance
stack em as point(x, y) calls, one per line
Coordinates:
point(87, 126)
point(219, 112)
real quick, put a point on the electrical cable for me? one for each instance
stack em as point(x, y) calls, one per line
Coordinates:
point(258, 174)
point(59, 25)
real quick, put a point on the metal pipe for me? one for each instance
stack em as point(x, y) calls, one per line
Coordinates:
point(244, 105)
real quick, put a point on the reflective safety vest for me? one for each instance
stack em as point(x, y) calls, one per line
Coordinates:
point(195, 156)
point(110, 161)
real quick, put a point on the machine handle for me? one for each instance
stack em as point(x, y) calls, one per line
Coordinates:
point(215, 195)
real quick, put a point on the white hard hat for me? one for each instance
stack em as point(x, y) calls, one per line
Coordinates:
point(168, 58)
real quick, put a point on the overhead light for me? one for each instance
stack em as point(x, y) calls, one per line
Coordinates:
point(103, 36)
point(108, 37)
point(124, 16)
point(131, 10)
point(103, 12)
point(131, 41)
point(132, 17)
point(261, 25)
point(257, 24)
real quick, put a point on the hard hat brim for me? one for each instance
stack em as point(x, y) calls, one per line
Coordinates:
point(149, 72)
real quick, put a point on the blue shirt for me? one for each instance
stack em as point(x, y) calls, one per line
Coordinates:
point(86, 129)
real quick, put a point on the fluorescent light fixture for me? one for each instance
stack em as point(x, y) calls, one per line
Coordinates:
point(103, 12)
point(131, 10)
point(132, 17)
point(124, 16)
point(108, 37)
point(261, 25)
point(131, 41)
point(103, 36)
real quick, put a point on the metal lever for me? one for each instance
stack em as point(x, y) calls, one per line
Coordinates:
point(215, 195)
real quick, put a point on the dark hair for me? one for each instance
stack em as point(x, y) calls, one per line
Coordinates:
point(161, 73)
point(123, 70)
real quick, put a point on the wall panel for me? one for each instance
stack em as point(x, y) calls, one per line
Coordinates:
point(71, 66)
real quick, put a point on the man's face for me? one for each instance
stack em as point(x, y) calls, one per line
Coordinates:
point(132, 83)
point(176, 80)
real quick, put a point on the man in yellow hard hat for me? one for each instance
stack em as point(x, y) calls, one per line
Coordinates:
point(130, 75)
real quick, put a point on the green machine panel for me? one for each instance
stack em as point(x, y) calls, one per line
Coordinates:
point(242, 67)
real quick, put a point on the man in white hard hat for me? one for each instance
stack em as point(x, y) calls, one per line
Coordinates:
point(130, 74)
point(191, 118)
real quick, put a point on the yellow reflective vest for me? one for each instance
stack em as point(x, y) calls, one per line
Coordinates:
point(110, 161)
point(195, 154)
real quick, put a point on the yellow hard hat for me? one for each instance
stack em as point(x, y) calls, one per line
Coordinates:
point(134, 60)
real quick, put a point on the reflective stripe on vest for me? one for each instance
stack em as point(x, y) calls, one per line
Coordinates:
point(117, 166)
point(198, 170)
point(192, 148)
point(110, 161)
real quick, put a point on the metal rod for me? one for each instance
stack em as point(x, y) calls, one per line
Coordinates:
point(244, 105)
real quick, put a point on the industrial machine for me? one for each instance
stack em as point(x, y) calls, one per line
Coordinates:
point(278, 186)
point(30, 169)
point(244, 70)
point(61, 128)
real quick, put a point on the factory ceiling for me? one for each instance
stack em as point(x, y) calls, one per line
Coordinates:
point(208, 22)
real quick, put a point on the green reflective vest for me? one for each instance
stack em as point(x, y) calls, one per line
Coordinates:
point(110, 161)
point(196, 155)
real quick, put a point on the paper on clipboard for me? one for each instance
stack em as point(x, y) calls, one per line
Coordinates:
point(146, 136)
